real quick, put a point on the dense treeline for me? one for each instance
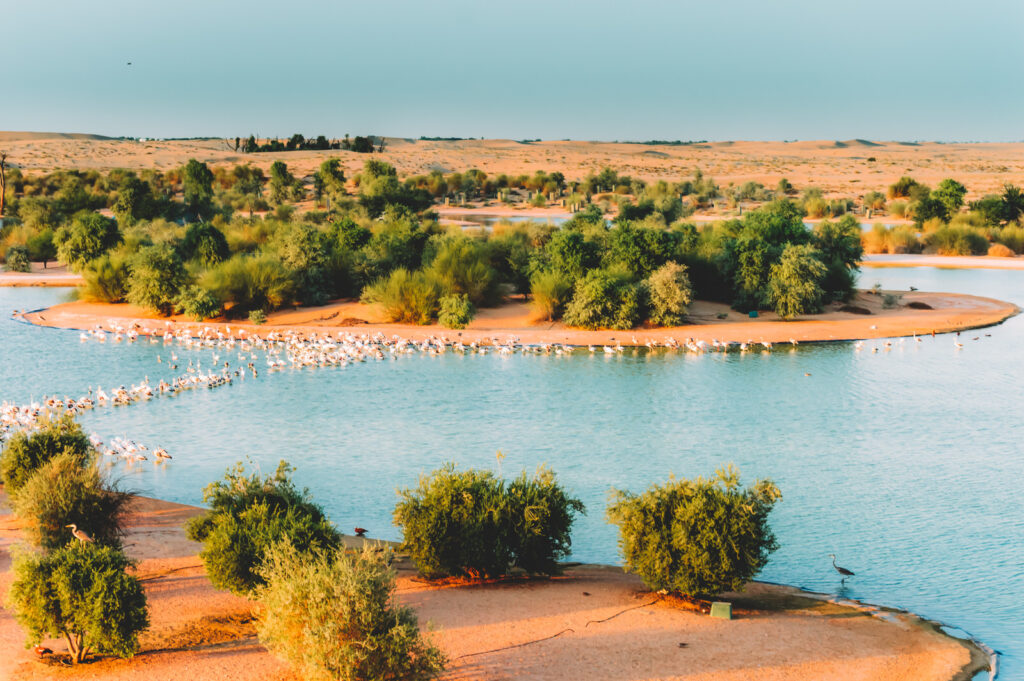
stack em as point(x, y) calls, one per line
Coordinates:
point(189, 240)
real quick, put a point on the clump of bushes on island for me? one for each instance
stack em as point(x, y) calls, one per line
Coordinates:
point(189, 241)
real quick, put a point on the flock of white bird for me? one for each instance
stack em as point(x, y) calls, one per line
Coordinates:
point(280, 350)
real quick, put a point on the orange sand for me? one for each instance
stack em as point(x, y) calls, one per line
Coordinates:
point(779, 633)
point(952, 312)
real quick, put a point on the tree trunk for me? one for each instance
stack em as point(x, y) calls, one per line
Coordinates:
point(3, 182)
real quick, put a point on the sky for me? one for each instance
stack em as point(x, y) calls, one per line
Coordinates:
point(625, 70)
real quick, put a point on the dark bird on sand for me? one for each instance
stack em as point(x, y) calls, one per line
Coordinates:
point(42, 650)
point(360, 531)
point(841, 570)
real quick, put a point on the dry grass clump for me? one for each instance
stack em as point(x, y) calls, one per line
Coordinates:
point(1000, 251)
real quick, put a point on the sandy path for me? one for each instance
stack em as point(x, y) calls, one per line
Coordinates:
point(959, 262)
point(591, 615)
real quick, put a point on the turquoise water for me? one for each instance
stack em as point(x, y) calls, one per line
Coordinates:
point(906, 463)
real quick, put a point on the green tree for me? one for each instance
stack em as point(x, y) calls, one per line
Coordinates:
point(249, 183)
point(794, 287)
point(198, 184)
point(570, 254)
point(82, 593)
point(670, 293)
point(605, 299)
point(281, 181)
point(249, 514)
point(1013, 202)
point(87, 237)
point(697, 537)
point(333, 616)
point(158, 276)
point(41, 246)
point(134, 202)
point(25, 452)
point(17, 260)
point(205, 243)
point(64, 491)
point(840, 247)
point(951, 194)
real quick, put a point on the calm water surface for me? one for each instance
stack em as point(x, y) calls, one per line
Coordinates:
point(907, 463)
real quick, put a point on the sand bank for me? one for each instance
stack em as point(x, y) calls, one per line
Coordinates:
point(958, 262)
point(54, 275)
point(951, 312)
point(594, 617)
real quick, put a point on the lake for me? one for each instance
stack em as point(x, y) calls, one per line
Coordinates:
point(906, 463)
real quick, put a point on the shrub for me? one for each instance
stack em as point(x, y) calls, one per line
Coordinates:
point(471, 523)
point(17, 260)
point(407, 297)
point(696, 537)
point(456, 311)
point(247, 515)
point(1000, 251)
point(670, 293)
point(259, 282)
point(27, 452)
point(957, 241)
point(1012, 236)
point(62, 491)
point(88, 236)
point(461, 267)
point(898, 209)
point(84, 594)
point(550, 292)
point(333, 615)
point(794, 286)
point(157, 278)
point(200, 304)
point(106, 279)
point(889, 301)
point(205, 243)
point(903, 239)
point(605, 300)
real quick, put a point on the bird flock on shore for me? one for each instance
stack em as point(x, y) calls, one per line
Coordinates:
point(277, 350)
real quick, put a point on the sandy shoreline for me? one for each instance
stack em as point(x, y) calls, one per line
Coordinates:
point(951, 312)
point(958, 262)
point(779, 633)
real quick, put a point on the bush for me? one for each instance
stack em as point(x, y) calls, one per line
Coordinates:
point(157, 278)
point(257, 317)
point(247, 515)
point(670, 293)
point(696, 537)
point(1012, 236)
point(471, 523)
point(794, 287)
point(259, 282)
point(898, 209)
point(106, 279)
point(333, 616)
point(84, 594)
point(461, 267)
point(199, 304)
point(62, 491)
point(407, 297)
point(17, 259)
point(456, 311)
point(957, 241)
point(605, 300)
point(1000, 251)
point(550, 291)
point(26, 452)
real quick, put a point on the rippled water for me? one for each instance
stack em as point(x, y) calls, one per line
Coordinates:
point(907, 463)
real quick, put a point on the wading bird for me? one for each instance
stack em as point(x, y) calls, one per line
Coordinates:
point(841, 570)
point(79, 534)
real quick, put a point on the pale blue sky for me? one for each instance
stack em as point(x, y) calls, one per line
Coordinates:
point(632, 69)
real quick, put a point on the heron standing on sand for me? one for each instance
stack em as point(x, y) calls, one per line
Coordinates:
point(841, 570)
point(79, 534)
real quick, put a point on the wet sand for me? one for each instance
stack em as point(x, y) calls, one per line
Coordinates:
point(594, 621)
point(950, 312)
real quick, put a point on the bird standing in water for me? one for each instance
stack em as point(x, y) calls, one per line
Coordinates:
point(841, 570)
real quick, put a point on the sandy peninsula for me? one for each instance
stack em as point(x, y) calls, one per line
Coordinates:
point(709, 321)
point(594, 617)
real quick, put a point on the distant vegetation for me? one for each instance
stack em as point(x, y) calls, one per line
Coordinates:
point(241, 242)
